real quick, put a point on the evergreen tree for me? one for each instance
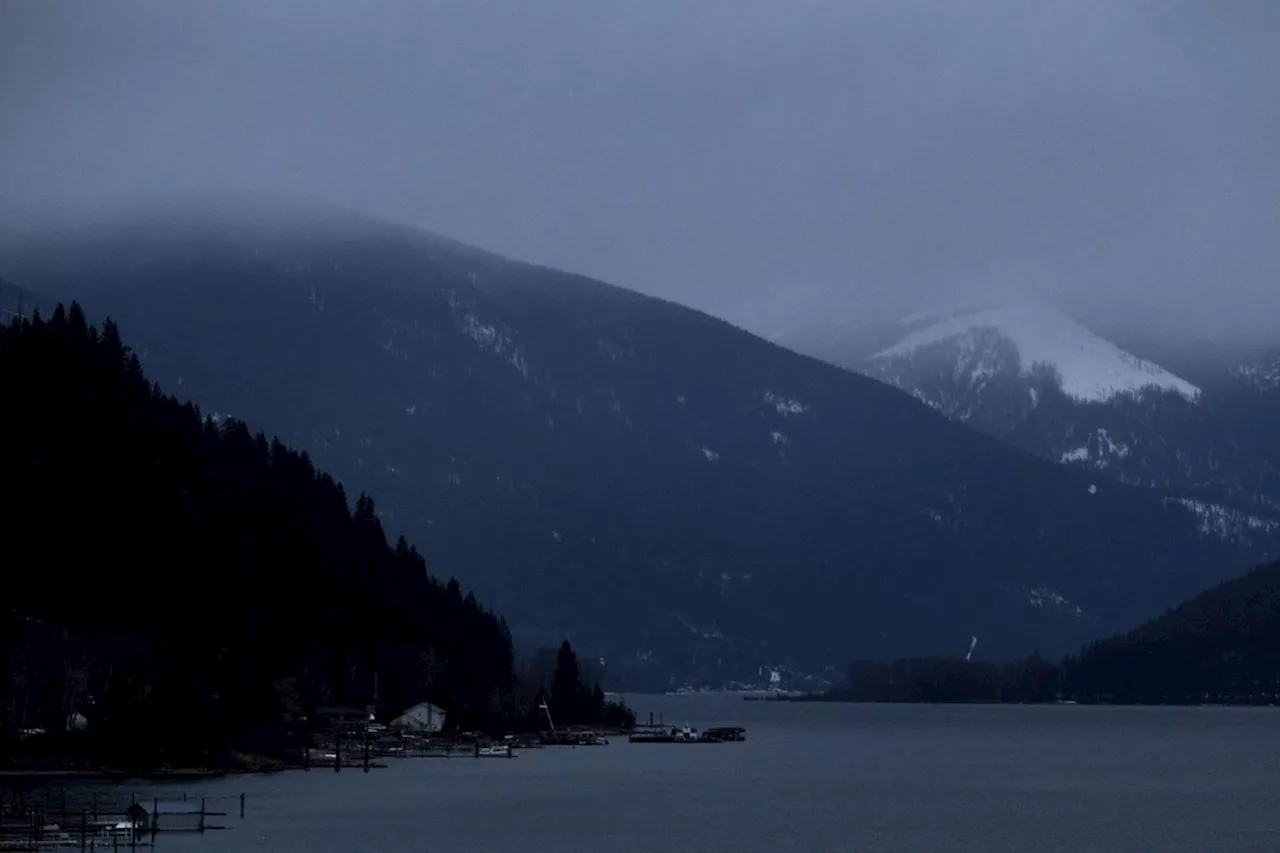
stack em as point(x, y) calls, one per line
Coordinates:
point(566, 686)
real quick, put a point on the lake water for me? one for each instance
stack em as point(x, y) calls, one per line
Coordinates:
point(810, 777)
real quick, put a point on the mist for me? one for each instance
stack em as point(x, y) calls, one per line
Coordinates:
point(770, 163)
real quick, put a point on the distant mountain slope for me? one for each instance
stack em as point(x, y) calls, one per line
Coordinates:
point(1034, 378)
point(676, 495)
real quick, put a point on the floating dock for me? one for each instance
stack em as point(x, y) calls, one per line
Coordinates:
point(661, 733)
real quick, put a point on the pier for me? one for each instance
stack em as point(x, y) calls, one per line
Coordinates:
point(660, 733)
point(38, 823)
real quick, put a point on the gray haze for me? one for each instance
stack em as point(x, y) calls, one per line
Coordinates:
point(762, 160)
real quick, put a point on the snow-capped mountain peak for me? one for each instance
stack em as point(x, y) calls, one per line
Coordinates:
point(1091, 368)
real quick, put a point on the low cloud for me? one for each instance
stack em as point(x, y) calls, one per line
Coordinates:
point(763, 161)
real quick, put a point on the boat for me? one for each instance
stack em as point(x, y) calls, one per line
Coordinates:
point(495, 750)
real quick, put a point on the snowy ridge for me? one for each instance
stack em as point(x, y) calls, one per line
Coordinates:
point(1092, 369)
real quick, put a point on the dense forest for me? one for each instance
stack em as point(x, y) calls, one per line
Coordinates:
point(1222, 646)
point(182, 589)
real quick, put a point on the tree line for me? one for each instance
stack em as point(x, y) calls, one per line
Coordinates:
point(182, 588)
point(1223, 646)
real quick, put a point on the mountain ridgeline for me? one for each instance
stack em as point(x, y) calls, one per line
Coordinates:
point(680, 498)
point(191, 587)
point(1033, 378)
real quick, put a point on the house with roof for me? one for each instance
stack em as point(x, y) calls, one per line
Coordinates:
point(423, 717)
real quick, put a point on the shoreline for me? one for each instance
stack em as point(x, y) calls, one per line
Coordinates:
point(244, 765)
point(177, 775)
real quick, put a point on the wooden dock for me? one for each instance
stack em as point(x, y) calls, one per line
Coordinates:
point(658, 732)
point(35, 826)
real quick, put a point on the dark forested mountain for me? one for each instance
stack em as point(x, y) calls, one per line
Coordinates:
point(188, 586)
point(678, 496)
point(1030, 376)
point(1221, 646)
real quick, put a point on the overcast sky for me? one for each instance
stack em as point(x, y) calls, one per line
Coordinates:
point(756, 159)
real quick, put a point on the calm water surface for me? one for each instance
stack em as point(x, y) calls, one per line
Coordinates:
point(811, 777)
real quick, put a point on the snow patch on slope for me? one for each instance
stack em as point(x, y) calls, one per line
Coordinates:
point(488, 337)
point(1223, 522)
point(1098, 450)
point(1092, 369)
point(785, 406)
point(1047, 599)
point(1263, 377)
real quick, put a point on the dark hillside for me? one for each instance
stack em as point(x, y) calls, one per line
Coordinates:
point(1221, 646)
point(187, 585)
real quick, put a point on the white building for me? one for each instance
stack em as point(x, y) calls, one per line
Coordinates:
point(423, 717)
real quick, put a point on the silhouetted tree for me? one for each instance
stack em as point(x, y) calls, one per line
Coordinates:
point(566, 686)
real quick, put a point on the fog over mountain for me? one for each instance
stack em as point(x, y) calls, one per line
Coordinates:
point(768, 163)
